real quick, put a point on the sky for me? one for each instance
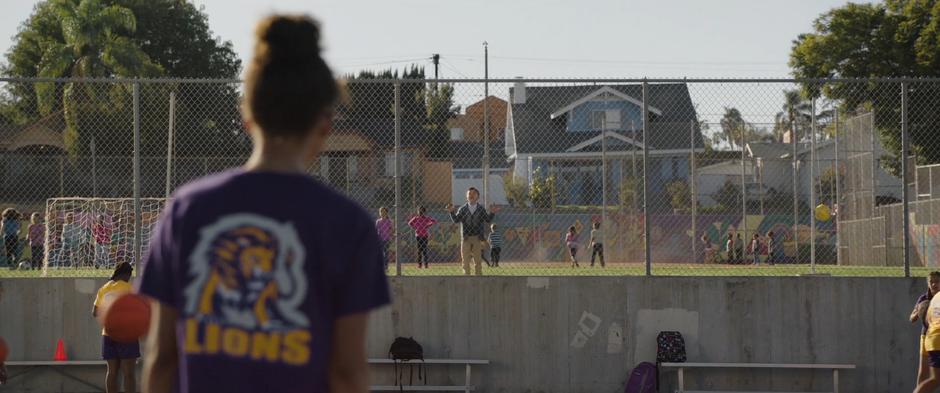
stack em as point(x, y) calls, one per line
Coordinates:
point(531, 38)
point(543, 39)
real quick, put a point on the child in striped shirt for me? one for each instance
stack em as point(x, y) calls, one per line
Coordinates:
point(496, 244)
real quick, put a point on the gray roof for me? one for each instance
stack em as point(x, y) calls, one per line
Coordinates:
point(469, 155)
point(536, 132)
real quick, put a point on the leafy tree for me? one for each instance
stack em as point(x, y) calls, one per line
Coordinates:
point(630, 193)
point(424, 110)
point(680, 196)
point(95, 41)
point(517, 191)
point(728, 196)
point(129, 38)
point(894, 38)
point(544, 192)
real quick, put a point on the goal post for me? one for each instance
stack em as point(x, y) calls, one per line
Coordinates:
point(96, 232)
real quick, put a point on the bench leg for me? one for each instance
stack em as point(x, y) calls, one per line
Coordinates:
point(466, 383)
point(681, 380)
point(835, 381)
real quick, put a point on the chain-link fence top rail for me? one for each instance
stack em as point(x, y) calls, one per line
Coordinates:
point(679, 174)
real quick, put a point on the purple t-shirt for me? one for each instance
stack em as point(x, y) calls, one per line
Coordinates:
point(259, 265)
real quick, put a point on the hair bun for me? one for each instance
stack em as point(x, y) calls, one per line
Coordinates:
point(289, 38)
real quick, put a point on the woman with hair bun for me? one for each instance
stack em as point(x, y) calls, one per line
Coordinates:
point(263, 278)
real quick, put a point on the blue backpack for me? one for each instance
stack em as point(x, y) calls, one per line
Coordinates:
point(642, 379)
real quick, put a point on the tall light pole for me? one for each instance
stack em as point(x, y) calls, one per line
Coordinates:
point(486, 124)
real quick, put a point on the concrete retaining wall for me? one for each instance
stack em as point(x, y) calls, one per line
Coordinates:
point(570, 334)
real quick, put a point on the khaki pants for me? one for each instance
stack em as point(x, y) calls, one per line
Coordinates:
point(471, 247)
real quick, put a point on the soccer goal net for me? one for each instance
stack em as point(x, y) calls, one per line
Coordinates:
point(96, 232)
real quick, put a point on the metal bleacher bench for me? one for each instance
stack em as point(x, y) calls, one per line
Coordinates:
point(60, 367)
point(466, 387)
point(680, 367)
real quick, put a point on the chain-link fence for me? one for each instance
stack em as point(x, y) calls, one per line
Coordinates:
point(680, 177)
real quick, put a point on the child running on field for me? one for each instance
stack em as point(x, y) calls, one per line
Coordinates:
point(571, 241)
point(597, 243)
point(420, 223)
point(36, 237)
point(496, 244)
point(263, 277)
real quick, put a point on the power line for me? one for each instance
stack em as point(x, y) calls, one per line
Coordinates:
point(383, 62)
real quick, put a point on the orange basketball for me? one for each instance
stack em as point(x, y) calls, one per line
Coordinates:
point(127, 318)
point(4, 350)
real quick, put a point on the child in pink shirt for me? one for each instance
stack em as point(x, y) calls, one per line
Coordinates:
point(421, 223)
point(384, 228)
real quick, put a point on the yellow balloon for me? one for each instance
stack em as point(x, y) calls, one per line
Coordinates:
point(822, 212)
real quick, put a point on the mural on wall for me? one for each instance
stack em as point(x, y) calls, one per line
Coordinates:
point(540, 237)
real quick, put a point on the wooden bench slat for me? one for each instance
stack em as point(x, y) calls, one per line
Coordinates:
point(432, 361)
point(738, 391)
point(759, 365)
point(56, 363)
point(426, 388)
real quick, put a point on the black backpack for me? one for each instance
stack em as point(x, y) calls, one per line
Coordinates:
point(670, 347)
point(406, 349)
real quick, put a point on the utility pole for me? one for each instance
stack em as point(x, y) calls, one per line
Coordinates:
point(436, 58)
point(486, 124)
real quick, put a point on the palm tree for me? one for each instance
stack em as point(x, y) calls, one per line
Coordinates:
point(95, 42)
point(796, 113)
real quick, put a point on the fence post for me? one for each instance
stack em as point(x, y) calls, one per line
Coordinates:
point(743, 232)
point(812, 188)
point(169, 144)
point(137, 207)
point(603, 178)
point(646, 172)
point(905, 152)
point(692, 188)
point(397, 153)
point(837, 202)
point(796, 194)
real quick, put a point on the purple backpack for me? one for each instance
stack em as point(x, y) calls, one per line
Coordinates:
point(642, 379)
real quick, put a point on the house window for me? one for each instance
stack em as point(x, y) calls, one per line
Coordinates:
point(456, 134)
point(404, 168)
point(605, 119)
point(352, 168)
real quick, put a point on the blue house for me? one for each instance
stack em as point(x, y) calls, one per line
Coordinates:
point(562, 131)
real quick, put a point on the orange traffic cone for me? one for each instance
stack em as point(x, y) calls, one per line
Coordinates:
point(60, 352)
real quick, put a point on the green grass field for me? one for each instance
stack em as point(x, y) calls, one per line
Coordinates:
point(559, 269)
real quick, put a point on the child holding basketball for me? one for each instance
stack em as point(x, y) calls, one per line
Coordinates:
point(36, 235)
point(920, 314)
point(420, 223)
point(571, 241)
point(120, 356)
point(270, 290)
